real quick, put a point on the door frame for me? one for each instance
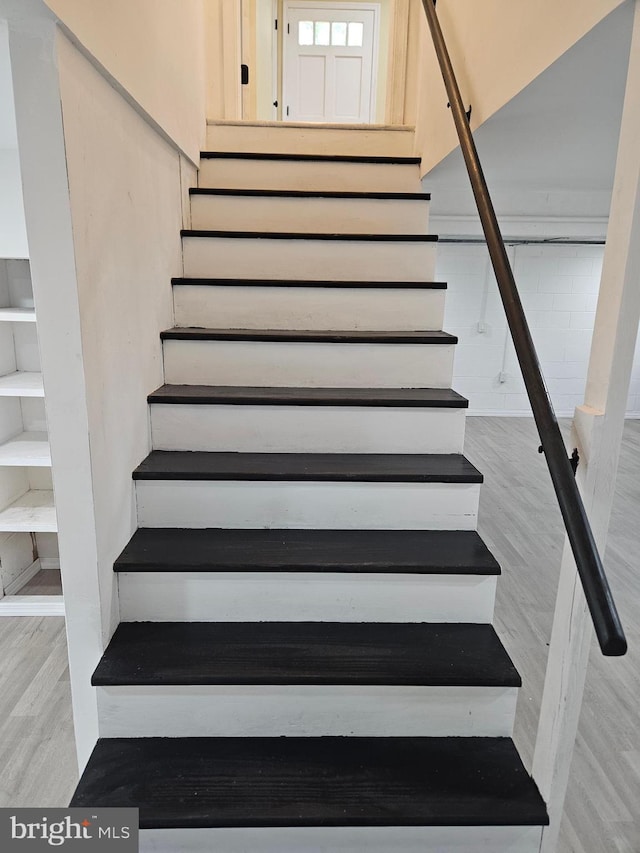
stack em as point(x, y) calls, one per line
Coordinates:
point(329, 4)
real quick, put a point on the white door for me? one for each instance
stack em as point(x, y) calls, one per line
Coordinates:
point(329, 67)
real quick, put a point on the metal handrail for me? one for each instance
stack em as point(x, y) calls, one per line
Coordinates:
point(597, 592)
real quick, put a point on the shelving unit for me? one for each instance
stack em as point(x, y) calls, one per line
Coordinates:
point(28, 527)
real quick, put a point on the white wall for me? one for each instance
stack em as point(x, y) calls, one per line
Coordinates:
point(497, 48)
point(154, 49)
point(126, 209)
point(13, 234)
point(559, 288)
point(103, 211)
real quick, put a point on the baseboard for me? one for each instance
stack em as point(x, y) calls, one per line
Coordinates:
point(49, 563)
point(518, 413)
point(32, 605)
point(23, 578)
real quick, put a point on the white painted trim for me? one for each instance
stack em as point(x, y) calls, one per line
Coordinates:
point(468, 225)
point(306, 711)
point(305, 597)
point(375, 59)
point(32, 605)
point(23, 578)
point(403, 839)
point(49, 563)
point(305, 125)
point(398, 48)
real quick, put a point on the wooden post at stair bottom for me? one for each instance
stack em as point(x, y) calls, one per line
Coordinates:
point(598, 430)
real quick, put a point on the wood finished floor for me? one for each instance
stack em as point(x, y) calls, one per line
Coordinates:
point(46, 582)
point(517, 503)
point(520, 522)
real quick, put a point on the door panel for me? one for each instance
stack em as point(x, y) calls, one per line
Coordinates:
point(329, 62)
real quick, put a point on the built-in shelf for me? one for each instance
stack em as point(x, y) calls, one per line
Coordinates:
point(29, 448)
point(33, 512)
point(32, 605)
point(21, 384)
point(18, 315)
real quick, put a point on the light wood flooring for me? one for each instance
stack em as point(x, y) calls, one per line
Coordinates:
point(520, 522)
point(46, 582)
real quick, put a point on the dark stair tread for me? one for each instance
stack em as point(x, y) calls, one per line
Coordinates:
point(301, 235)
point(443, 398)
point(326, 158)
point(280, 282)
point(339, 194)
point(357, 336)
point(311, 467)
point(327, 781)
point(305, 653)
point(456, 552)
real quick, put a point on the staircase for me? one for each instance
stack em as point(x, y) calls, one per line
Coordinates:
point(306, 660)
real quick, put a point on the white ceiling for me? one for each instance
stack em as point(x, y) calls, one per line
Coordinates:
point(8, 137)
point(551, 150)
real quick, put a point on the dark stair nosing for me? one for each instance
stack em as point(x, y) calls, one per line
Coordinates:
point(243, 395)
point(301, 235)
point(323, 158)
point(384, 196)
point(305, 653)
point(308, 467)
point(312, 782)
point(450, 552)
point(191, 333)
point(274, 282)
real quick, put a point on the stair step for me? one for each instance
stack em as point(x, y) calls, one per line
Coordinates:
point(337, 194)
point(441, 398)
point(307, 420)
point(308, 467)
point(356, 336)
point(276, 171)
point(274, 282)
point(305, 653)
point(320, 782)
point(296, 235)
point(251, 304)
point(286, 254)
point(447, 552)
point(309, 211)
point(315, 158)
point(293, 137)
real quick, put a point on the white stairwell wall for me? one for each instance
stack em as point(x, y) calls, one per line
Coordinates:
point(106, 283)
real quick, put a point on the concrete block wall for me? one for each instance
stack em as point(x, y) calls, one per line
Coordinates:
point(559, 289)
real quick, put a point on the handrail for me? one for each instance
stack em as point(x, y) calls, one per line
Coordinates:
point(597, 592)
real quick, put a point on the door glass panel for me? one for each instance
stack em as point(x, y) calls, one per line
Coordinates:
point(323, 33)
point(339, 33)
point(305, 32)
point(356, 34)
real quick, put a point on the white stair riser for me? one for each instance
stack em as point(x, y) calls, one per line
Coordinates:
point(306, 429)
point(306, 139)
point(320, 308)
point(229, 173)
point(303, 711)
point(332, 260)
point(304, 597)
point(309, 365)
point(396, 839)
point(315, 215)
point(326, 506)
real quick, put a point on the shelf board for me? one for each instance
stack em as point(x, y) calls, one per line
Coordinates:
point(32, 605)
point(18, 315)
point(29, 449)
point(21, 384)
point(33, 512)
